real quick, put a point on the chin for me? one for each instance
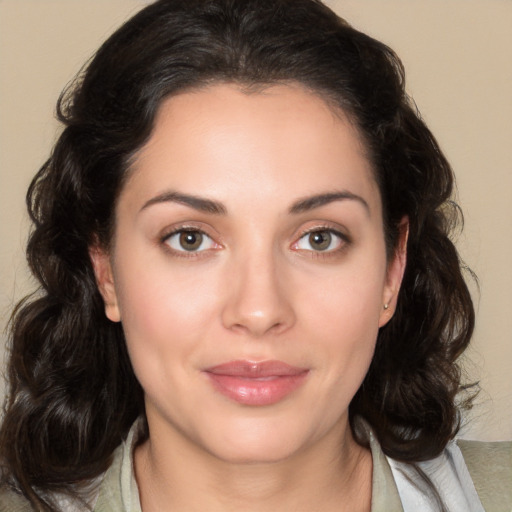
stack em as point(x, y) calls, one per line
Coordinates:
point(262, 453)
point(258, 443)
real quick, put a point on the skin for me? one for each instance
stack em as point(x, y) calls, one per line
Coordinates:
point(257, 289)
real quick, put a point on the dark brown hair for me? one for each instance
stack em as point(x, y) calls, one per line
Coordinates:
point(72, 392)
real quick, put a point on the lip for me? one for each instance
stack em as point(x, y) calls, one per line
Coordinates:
point(256, 383)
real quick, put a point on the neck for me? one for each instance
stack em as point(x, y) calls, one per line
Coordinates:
point(334, 473)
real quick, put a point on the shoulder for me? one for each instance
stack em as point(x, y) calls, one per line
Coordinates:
point(11, 501)
point(81, 501)
point(490, 468)
point(118, 489)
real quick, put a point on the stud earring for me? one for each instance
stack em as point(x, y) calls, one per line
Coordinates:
point(386, 306)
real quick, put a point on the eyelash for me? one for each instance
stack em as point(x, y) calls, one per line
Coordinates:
point(345, 241)
point(164, 240)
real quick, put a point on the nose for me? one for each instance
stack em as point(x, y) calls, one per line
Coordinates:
point(258, 298)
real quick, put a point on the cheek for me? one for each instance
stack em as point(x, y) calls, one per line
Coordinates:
point(342, 316)
point(163, 308)
point(165, 317)
point(341, 327)
point(350, 297)
point(349, 328)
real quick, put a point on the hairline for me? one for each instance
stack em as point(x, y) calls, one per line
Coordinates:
point(339, 111)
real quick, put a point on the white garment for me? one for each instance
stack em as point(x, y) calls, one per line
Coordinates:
point(450, 476)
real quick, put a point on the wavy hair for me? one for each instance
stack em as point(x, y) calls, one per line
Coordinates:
point(72, 392)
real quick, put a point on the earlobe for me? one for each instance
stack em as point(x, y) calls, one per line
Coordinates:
point(105, 281)
point(395, 274)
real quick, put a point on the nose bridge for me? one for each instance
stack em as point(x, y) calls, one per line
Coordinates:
point(258, 298)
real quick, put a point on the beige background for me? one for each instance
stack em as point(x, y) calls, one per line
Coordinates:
point(458, 55)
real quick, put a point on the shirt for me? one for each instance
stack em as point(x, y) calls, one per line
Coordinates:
point(469, 476)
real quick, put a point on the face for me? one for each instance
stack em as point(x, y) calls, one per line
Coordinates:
point(249, 271)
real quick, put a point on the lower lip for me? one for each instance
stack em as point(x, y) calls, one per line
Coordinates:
point(257, 391)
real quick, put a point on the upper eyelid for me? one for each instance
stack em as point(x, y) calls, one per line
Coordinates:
point(338, 234)
point(345, 240)
point(336, 230)
point(179, 229)
point(172, 230)
point(165, 241)
point(213, 234)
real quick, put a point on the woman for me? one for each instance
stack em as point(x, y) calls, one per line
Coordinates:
point(249, 297)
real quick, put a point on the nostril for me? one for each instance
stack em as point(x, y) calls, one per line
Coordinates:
point(258, 302)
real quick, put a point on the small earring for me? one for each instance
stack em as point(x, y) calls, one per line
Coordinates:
point(386, 306)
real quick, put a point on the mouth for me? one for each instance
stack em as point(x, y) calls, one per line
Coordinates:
point(256, 383)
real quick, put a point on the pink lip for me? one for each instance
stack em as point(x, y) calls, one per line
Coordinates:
point(250, 383)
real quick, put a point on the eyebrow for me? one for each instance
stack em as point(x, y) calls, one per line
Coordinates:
point(312, 202)
point(198, 203)
point(214, 207)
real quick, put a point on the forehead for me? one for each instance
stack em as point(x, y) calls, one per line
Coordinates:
point(222, 139)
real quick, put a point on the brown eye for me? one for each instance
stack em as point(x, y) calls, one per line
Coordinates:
point(320, 240)
point(186, 240)
point(190, 240)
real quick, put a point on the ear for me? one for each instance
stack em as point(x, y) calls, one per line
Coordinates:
point(395, 274)
point(105, 280)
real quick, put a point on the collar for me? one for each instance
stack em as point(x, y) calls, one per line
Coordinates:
point(119, 487)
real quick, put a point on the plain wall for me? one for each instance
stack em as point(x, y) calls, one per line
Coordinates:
point(458, 58)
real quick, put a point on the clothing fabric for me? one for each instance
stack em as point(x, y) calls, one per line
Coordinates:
point(450, 477)
point(468, 476)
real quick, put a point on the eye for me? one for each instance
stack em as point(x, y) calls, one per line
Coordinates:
point(321, 240)
point(189, 240)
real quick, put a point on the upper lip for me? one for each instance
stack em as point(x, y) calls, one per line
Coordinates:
point(251, 369)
